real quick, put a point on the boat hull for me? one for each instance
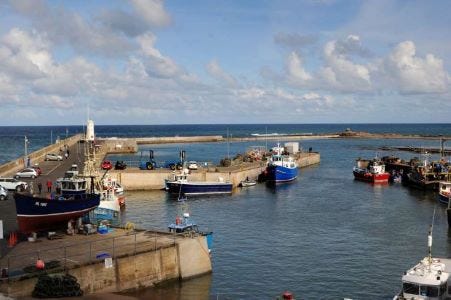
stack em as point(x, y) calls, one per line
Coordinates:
point(37, 214)
point(280, 174)
point(372, 178)
point(443, 198)
point(203, 188)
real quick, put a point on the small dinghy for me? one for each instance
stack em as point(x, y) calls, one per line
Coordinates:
point(247, 183)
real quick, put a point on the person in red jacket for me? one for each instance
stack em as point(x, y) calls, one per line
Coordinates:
point(49, 186)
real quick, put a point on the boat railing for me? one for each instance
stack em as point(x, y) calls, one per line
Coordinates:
point(83, 253)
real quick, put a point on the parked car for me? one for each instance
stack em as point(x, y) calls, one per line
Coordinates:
point(28, 172)
point(192, 165)
point(106, 165)
point(52, 156)
point(3, 193)
point(13, 184)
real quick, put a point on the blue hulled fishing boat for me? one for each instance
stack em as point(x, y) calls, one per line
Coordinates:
point(180, 184)
point(281, 168)
point(40, 213)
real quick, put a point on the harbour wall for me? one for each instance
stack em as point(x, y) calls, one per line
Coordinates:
point(188, 257)
point(37, 156)
point(135, 179)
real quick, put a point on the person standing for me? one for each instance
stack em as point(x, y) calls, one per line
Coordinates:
point(49, 186)
point(39, 187)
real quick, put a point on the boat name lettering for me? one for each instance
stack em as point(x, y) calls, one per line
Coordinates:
point(40, 204)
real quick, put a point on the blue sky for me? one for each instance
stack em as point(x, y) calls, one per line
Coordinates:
point(182, 62)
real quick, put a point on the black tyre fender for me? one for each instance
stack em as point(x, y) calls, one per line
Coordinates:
point(172, 167)
point(19, 188)
point(2, 197)
point(149, 166)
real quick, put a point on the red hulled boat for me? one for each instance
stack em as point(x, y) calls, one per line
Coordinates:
point(371, 171)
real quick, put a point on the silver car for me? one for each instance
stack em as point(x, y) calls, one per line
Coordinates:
point(3, 193)
point(51, 156)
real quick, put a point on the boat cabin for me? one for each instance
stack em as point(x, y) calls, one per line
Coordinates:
point(376, 167)
point(72, 187)
point(427, 280)
point(283, 160)
point(183, 224)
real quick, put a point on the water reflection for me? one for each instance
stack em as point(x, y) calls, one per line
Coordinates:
point(194, 289)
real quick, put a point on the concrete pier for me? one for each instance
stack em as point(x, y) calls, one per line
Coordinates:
point(139, 259)
point(135, 179)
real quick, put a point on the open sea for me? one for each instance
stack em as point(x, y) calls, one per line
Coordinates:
point(324, 236)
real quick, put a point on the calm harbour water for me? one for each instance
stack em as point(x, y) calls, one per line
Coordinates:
point(324, 236)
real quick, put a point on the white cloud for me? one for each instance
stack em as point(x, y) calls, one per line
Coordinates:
point(340, 72)
point(152, 11)
point(296, 72)
point(24, 54)
point(156, 64)
point(413, 74)
point(215, 70)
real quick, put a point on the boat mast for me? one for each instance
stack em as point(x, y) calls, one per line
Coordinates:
point(430, 240)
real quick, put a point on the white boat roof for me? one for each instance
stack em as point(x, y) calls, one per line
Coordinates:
point(424, 273)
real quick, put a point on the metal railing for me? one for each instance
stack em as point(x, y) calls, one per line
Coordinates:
point(77, 254)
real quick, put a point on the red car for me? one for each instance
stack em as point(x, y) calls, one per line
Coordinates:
point(106, 165)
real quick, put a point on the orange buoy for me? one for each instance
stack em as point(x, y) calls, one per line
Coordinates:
point(40, 264)
point(178, 221)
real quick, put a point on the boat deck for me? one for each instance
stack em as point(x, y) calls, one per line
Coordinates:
point(74, 250)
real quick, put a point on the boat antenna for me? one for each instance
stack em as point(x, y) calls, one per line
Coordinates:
point(430, 238)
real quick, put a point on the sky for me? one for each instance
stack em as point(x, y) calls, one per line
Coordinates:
point(224, 62)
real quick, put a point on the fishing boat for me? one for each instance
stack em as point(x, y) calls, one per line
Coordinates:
point(444, 192)
point(429, 279)
point(281, 168)
point(371, 171)
point(40, 213)
point(183, 224)
point(113, 188)
point(180, 185)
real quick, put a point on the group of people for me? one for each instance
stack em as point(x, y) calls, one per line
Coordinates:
point(49, 185)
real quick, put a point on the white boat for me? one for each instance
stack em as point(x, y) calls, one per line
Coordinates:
point(111, 199)
point(247, 183)
point(444, 191)
point(429, 279)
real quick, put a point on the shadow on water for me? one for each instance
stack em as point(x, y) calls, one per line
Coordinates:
point(193, 289)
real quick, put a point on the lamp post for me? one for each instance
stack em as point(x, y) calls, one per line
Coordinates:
point(26, 160)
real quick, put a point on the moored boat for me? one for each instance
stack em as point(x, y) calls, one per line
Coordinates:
point(281, 168)
point(444, 191)
point(247, 183)
point(429, 279)
point(39, 213)
point(180, 185)
point(371, 171)
point(183, 224)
